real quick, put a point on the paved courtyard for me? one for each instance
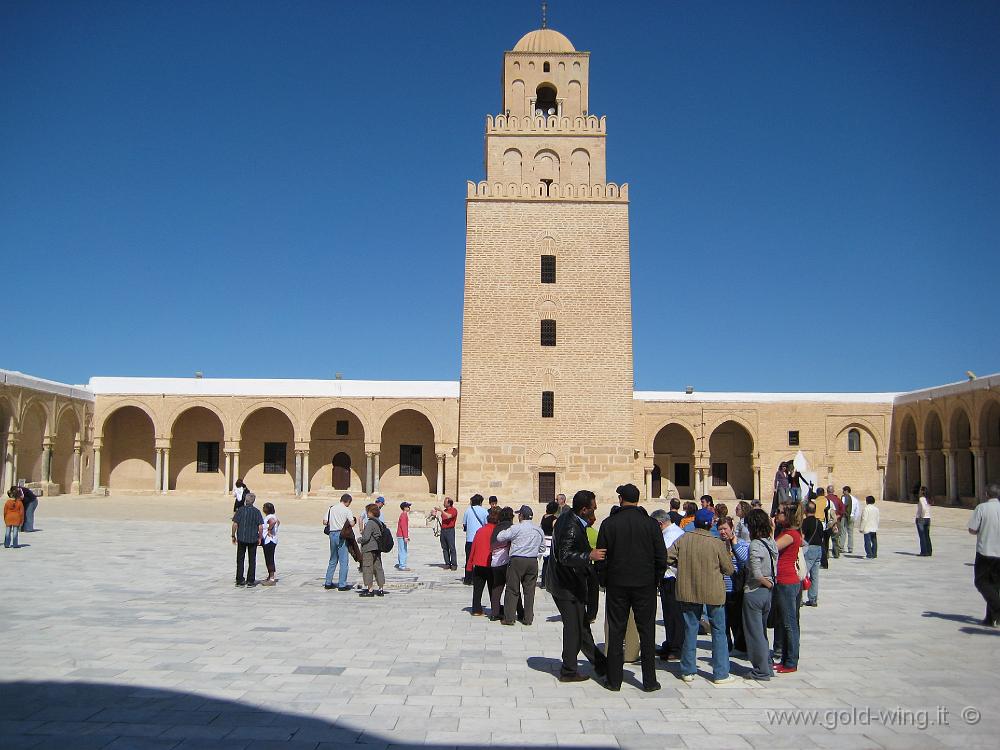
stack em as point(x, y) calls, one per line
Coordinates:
point(122, 629)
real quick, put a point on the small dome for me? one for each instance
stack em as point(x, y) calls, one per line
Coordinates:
point(544, 40)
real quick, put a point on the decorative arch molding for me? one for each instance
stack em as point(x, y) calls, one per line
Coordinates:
point(7, 407)
point(72, 409)
point(846, 423)
point(413, 406)
point(250, 410)
point(686, 426)
point(187, 406)
point(980, 426)
point(547, 459)
point(961, 406)
point(119, 405)
point(742, 422)
point(47, 428)
point(904, 417)
point(320, 411)
point(925, 424)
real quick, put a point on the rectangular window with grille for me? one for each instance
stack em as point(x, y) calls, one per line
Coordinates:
point(548, 333)
point(548, 269)
point(682, 475)
point(548, 403)
point(208, 458)
point(546, 486)
point(793, 437)
point(342, 426)
point(411, 460)
point(720, 475)
point(274, 458)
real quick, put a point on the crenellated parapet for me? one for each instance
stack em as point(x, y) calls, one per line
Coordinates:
point(607, 192)
point(510, 124)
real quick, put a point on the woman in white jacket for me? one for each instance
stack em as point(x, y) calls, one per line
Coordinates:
point(869, 527)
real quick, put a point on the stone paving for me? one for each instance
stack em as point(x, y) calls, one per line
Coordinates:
point(130, 634)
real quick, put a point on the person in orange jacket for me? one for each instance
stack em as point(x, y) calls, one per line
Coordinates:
point(13, 518)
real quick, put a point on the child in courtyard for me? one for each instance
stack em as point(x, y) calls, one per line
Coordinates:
point(13, 518)
point(270, 543)
point(869, 527)
point(403, 536)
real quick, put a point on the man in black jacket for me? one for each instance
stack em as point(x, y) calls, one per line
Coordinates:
point(634, 565)
point(566, 580)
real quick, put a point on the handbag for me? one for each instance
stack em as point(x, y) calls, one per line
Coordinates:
point(801, 568)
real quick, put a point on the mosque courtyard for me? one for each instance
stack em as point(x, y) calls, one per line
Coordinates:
point(123, 629)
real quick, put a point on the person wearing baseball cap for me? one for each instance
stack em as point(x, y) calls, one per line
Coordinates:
point(635, 561)
point(701, 561)
point(527, 543)
point(403, 536)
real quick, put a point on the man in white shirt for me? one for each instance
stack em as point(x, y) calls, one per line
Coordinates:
point(924, 523)
point(670, 649)
point(985, 524)
point(336, 517)
point(852, 515)
point(473, 520)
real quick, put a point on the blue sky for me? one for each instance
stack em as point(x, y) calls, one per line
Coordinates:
point(276, 189)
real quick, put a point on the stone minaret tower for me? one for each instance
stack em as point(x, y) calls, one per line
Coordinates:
point(547, 383)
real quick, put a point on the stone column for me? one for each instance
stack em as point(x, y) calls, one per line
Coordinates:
point(158, 484)
point(925, 469)
point(648, 479)
point(881, 481)
point(377, 472)
point(901, 476)
point(980, 456)
point(77, 487)
point(97, 466)
point(236, 467)
point(305, 472)
point(298, 473)
point(368, 471)
point(47, 461)
point(440, 477)
point(951, 472)
point(9, 469)
point(227, 458)
point(166, 471)
point(756, 483)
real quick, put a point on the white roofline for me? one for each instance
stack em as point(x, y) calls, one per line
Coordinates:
point(436, 389)
point(15, 378)
point(764, 398)
point(987, 382)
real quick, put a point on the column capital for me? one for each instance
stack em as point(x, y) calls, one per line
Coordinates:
point(301, 446)
point(977, 452)
point(373, 447)
point(442, 456)
point(163, 443)
point(48, 442)
point(231, 446)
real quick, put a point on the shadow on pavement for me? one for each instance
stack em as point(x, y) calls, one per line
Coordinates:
point(82, 716)
point(954, 618)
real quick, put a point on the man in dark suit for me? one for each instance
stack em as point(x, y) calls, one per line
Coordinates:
point(636, 559)
point(566, 580)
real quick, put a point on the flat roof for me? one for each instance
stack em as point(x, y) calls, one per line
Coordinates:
point(987, 382)
point(764, 398)
point(275, 387)
point(15, 378)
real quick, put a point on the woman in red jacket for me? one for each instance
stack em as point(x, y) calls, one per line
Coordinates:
point(478, 563)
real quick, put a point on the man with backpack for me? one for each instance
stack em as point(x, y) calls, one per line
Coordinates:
point(375, 539)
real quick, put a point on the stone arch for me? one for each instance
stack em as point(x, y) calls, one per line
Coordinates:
point(129, 440)
point(988, 433)
point(267, 403)
point(326, 444)
point(857, 469)
point(673, 447)
point(194, 423)
point(512, 165)
point(267, 423)
point(862, 424)
point(517, 98)
point(546, 165)
point(960, 442)
point(68, 431)
point(35, 427)
point(579, 166)
point(410, 430)
point(143, 407)
point(933, 444)
point(742, 422)
point(574, 98)
point(731, 447)
point(388, 413)
point(179, 411)
point(909, 458)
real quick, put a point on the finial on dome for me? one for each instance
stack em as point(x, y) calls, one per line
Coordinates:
point(545, 8)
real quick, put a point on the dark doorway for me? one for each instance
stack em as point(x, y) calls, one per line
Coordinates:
point(341, 472)
point(657, 480)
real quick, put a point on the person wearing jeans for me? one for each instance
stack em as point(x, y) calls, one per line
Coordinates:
point(720, 649)
point(338, 516)
point(403, 536)
point(924, 523)
point(869, 527)
point(787, 591)
point(812, 537)
point(448, 517)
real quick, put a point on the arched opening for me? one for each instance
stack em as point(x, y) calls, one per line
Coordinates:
point(910, 474)
point(129, 450)
point(731, 456)
point(579, 167)
point(574, 100)
point(267, 451)
point(407, 462)
point(989, 439)
point(965, 462)
point(6, 415)
point(196, 457)
point(512, 166)
point(337, 432)
point(936, 481)
point(29, 443)
point(856, 461)
point(545, 100)
point(657, 480)
point(342, 471)
point(546, 68)
point(673, 450)
point(517, 102)
point(67, 432)
point(546, 168)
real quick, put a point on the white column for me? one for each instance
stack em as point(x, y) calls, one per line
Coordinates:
point(901, 476)
point(298, 473)
point(9, 478)
point(881, 482)
point(980, 456)
point(236, 467)
point(368, 472)
point(305, 472)
point(925, 470)
point(47, 461)
point(77, 488)
point(97, 467)
point(158, 484)
point(377, 471)
point(951, 471)
point(227, 458)
point(756, 485)
point(166, 471)
point(648, 480)
point(440, 477)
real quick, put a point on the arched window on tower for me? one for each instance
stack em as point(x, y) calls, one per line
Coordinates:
point(545, 100)
point(854, 441)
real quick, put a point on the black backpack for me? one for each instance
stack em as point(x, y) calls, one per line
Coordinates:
point(384, 539)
